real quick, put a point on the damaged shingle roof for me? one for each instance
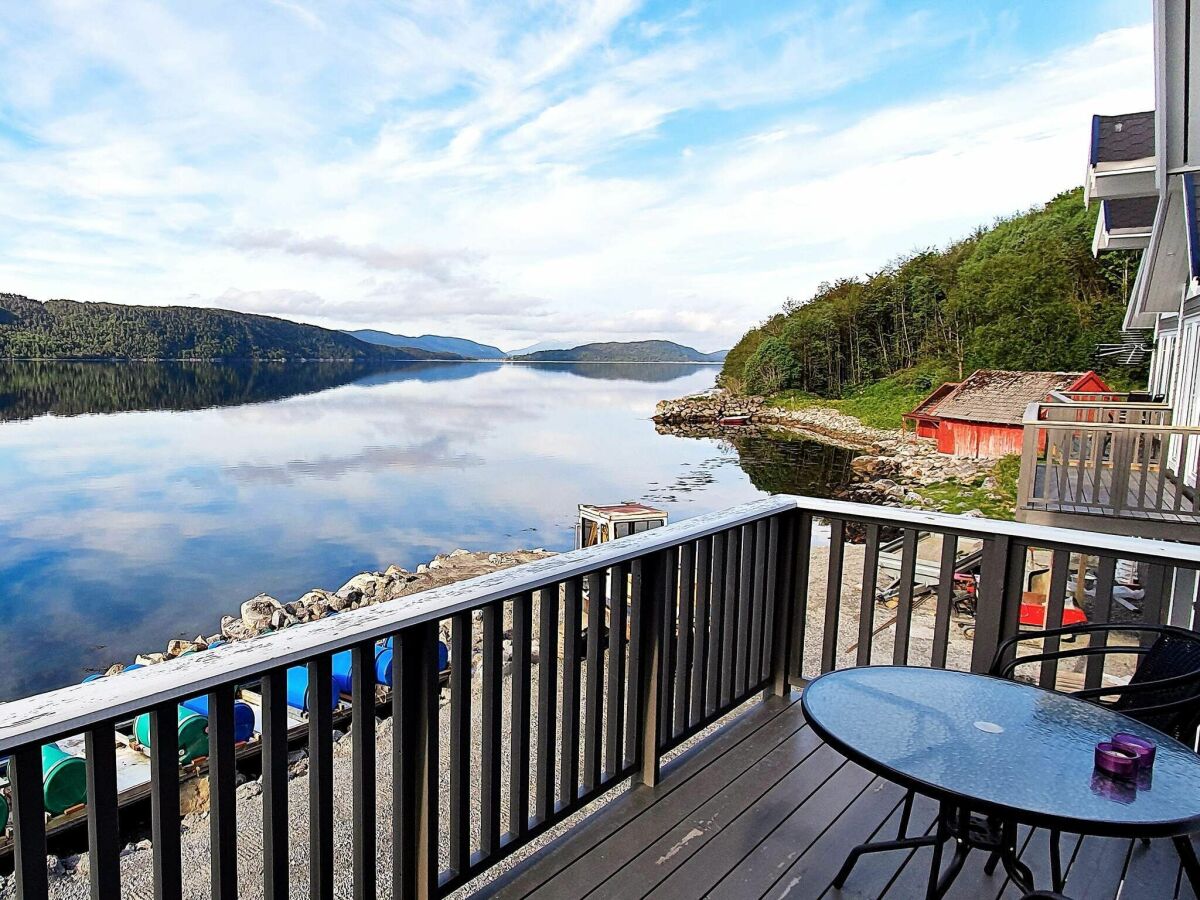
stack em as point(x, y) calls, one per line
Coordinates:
point(992, 395)
point(1122, 138)
point(1134, 212)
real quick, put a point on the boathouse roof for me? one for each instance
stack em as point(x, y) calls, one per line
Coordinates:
point(998, 396)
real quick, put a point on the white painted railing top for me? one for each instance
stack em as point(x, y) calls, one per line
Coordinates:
point(71, 709)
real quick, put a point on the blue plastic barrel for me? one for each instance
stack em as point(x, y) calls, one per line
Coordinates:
point(443, 654)
point(243, 716)
point(297, 689)
point(343, 668)
point(383, 666)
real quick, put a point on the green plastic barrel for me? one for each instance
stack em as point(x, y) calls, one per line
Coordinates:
point(64, 780)
point(193, 733)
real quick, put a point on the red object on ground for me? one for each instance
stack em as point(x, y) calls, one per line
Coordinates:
point(1034, 615)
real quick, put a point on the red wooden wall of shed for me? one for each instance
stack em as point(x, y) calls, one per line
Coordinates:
point(978, 439)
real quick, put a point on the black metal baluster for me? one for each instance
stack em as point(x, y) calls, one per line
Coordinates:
point(593, 714)
point(683, 637)
point(908, 574)
point(700, 647)
point(866, 609)
point(781, 599)
point(460, 741)
point(945, 601)
point(758, 589)
point(833, 595)
point(29, 822)
point(666, 593)
point(222, 784)
point(568, 754)
point(803, 551)
point(743, 637)
point(997, 603)
point(547, 701)
point(652, 590)
point(491, 727)
point(1060, 566)
point(729, 624)
point(770, 598)
point(104, 832)
point(320, 778)
point(164, 801)
point(1101, 613)
point(519, 745)
point(275, 784)
point(716, 630)
point(362, 740)
point(637, 655)
point(614, 737)
point(415, 754)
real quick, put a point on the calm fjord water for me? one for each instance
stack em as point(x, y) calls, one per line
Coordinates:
point(141, 502)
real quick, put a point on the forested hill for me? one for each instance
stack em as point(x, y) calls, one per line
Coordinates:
point(624, 351)
point(66, 329)
point(1025, 293)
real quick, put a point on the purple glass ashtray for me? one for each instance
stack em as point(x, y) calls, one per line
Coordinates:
point(1131, 743)
point(1117, 761)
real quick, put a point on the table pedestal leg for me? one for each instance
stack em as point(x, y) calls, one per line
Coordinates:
point(1187, 856)
point(970, 833)
point(1056, 872)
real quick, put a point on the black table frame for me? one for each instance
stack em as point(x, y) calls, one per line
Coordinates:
point(980, 825)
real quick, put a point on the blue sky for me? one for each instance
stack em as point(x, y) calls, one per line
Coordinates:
point(514, 172)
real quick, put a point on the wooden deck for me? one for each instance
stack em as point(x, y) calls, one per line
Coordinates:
point(763, 809)
point(1084, 499)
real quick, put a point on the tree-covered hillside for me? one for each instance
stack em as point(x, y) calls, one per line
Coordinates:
point(1025, 293)
point(65, 329)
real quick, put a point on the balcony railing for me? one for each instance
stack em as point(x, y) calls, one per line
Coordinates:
point(683, 624)
point(1120, 467)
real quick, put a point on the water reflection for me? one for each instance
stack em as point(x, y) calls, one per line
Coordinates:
point(212, 483)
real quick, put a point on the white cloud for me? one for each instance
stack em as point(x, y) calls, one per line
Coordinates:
point(511, 172)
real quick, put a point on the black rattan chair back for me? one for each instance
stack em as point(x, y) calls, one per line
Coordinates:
point(1164, 688)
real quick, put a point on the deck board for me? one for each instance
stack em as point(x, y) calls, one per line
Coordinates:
point(763, 809)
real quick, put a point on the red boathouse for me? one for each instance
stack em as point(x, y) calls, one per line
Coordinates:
point(981, 415)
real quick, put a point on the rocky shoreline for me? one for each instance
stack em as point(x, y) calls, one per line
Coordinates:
point(700, 412)
point(891, 468)
point(264, 614)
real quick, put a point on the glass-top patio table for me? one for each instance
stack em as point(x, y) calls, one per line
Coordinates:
point(996, 753)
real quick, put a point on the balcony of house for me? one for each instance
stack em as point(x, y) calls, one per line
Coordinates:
point(624, 720)
point(1116, 465)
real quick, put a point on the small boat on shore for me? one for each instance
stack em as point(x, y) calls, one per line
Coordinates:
point(733, 421)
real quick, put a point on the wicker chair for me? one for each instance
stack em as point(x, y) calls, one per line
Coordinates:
point(1164, 691)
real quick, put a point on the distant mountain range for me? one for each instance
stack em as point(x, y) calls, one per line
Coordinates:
point(550, 350)
point(539, 346)
point(624, 351)
point(66, 329)
point(434, 343)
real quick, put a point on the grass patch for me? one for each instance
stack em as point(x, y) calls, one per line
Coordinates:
point(997, 502)
point(879, 404)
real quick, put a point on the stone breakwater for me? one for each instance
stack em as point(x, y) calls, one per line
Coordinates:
point(892, 465)
point(890, 470)
point(703, 411)
point(264, 613)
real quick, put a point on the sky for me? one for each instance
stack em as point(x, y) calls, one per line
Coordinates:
point(563, 170)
